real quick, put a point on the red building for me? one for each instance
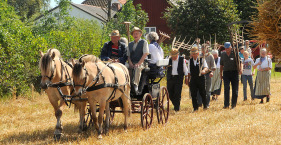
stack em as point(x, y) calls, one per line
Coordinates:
point(155, 10)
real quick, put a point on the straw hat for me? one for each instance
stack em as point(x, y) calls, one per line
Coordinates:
point(115, 33)
point(194, 50)
point(174, 52)
point(136, 29)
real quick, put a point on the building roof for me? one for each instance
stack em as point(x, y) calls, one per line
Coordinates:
point(94, 11)
point(101, 3)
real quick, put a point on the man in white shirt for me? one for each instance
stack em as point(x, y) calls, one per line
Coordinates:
point(175, 74)
point(197, 68)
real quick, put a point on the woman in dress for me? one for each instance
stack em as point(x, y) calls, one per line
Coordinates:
point(262, 83)
point(216, 80)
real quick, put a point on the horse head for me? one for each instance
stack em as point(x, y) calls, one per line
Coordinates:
point(47, 66)
point(79, 75)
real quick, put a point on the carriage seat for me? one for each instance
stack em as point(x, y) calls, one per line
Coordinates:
point(157, 70)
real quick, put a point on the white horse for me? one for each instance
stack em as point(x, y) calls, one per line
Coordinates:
point(101, 84)
point(55, 72)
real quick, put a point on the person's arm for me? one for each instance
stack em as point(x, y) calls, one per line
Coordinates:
point(205, 68)
point(104, 53)
point(145, 53)
point(221, 70)
point(187, 80)
point(124, 57)
point(142, 59)
point(257, 63)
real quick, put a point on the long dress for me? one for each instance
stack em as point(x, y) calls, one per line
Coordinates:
point(216, 79)
point(262, 83)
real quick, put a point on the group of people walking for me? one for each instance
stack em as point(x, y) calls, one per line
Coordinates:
point(204, 72)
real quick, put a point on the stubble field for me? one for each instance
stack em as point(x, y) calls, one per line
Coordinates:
point(31, 120)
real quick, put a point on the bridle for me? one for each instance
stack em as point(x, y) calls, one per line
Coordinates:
point(61, 83)
point(52, 72)
point(85, 79)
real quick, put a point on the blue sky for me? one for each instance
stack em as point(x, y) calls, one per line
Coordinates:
point(53, 3)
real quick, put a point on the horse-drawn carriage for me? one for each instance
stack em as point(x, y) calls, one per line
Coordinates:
point(151, 96)
point(97, 83)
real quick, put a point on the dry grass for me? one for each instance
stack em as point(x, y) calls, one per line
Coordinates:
point(32, 121)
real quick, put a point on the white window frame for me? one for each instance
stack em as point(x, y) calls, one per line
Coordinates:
point(149, 29)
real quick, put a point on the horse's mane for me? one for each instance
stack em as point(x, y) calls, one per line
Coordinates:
point(89, 58)
point(77, 70)
point(53, 50)
point(46, 59)
point(45, 62)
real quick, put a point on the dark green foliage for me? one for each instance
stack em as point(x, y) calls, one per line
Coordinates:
point(20, 44)
point(246, 8)
point(28, 8)
point(129, 12)
point(202, 18)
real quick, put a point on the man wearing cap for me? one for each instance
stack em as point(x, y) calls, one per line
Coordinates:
point(137, 52)
point(229, 72)
point(175, 73)
point(114, 50)
point(197, 68)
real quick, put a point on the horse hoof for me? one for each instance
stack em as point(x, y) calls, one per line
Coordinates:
point(57, 137)
point(100, 136)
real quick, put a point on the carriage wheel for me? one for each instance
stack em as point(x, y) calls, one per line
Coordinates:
point(163, 106)
point(146, 111)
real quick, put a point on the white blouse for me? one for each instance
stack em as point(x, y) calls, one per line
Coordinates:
point(266, 63)
point(156, 54)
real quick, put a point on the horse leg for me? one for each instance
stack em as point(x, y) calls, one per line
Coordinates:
point(100, 118)
point(58, 114)
point(126, 108)
point(82, 126)
point(93, 107)
point(107, 113)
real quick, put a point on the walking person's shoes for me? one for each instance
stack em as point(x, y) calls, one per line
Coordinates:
point(206, 108)
point(225, 107)
point(245, 99)
point(267, 98)
point(233, 106)
point(213, 97)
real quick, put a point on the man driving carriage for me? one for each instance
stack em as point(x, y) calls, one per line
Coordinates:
point(137, 52)
point(114, 50)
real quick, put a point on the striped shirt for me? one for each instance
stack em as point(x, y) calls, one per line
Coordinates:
point(115, 50)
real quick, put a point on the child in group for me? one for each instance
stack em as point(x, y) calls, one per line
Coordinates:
point(247, 74)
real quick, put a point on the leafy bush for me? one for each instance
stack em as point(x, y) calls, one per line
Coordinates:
point(21, 42)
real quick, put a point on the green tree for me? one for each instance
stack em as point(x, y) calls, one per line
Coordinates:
point(129, 12)
point(26, 9)
point(246, 8)
point(20, 43)
point(202, 18)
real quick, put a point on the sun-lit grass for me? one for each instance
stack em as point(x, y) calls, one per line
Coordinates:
point(32, 121)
